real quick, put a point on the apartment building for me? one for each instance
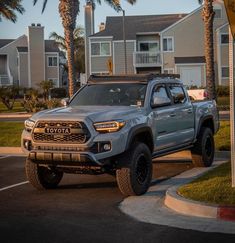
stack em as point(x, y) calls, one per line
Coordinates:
point(170, 43)
point(29, 59)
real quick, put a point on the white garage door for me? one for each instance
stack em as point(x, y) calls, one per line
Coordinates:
point(191, 76)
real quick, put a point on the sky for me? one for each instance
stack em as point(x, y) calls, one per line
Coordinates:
point(50, 19)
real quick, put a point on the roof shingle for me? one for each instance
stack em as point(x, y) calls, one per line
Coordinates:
point(137, 24)
point(4, 42)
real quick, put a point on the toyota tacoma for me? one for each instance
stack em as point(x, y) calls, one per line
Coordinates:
point(117, 125)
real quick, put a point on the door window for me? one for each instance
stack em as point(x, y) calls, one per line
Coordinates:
point(177, 94)
point(159, 92)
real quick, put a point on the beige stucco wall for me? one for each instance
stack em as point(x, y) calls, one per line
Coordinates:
point(23, 70)
point(36, 55)
point(188, 39)
point(119, 57)
point(12, 53)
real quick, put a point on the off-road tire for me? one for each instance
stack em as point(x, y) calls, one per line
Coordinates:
point(204, 148)
point(42, 177)
point(135, 178)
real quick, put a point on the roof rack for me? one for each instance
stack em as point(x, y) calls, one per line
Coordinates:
point(133, 77)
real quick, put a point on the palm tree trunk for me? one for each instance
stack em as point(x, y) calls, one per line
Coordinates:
point(69, 10)
point(70, 56)
point(208, 18)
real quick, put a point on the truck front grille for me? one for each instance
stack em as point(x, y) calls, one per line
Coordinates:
point(61, 132)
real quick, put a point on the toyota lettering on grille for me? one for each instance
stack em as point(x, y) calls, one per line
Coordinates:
point(55, 130)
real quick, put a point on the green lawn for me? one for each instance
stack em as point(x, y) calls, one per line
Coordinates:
point(11, 133)
point(17, 107)
point(213, 187)
point(222, 138)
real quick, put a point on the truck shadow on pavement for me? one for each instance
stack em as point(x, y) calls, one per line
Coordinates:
point(93, 185)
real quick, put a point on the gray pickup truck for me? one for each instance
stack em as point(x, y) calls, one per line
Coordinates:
point(117, 125)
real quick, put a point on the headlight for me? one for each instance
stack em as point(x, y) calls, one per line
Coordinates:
point(29, 124)
point(109, 126)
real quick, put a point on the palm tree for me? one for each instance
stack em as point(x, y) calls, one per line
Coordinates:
point(8, 9)
point(69, 10)
point(79, 48)
point(208, 18)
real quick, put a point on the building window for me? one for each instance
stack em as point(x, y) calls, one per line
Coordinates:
point(168, 44)
point(169, 71)
point(224, 39)
point(52, 62)
point(149, 46)
point(225, 72)
point(100, 49)
point(218, 12)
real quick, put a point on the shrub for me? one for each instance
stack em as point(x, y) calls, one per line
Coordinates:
point(31, 102)
point(53, 103)
point(46, 86)
point(8, 95)
point(222, 90)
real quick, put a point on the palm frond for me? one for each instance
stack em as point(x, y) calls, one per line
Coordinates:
point(43, 6)
point(8, 9)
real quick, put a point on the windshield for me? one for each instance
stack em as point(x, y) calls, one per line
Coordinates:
point(115, 94)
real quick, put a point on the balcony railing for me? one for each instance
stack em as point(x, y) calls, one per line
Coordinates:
point(4, 80)
point(147, 59)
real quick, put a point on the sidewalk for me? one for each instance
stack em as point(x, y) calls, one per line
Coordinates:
point(16, 115)
point(151, 207)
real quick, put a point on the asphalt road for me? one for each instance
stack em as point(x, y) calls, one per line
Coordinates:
point(83, 209)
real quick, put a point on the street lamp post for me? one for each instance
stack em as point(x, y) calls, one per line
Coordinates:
point(124, 39)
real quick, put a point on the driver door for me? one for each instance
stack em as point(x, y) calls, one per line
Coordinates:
point(164, 119)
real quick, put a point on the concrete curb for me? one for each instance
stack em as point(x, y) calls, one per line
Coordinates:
point(11, 151)
point(15, 115)
point(224, 112)
point(194, 208)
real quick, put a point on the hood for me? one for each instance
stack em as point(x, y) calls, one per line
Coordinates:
point(94, 113)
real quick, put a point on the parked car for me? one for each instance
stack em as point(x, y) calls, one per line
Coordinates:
point(116, 125)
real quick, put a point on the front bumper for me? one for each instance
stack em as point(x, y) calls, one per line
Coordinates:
point(64, 158)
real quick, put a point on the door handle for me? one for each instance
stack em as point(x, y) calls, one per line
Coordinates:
point(188, 110)
point(172, 114)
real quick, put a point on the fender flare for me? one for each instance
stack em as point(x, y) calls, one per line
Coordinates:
point(137, 130)
point(202, 120)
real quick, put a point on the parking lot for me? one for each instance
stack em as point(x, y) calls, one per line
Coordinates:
point(83, 209)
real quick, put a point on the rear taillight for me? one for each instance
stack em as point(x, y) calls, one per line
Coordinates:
point(205, 94)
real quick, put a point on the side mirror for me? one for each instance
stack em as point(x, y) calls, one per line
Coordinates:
point(160, 101)
point(65, 102)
